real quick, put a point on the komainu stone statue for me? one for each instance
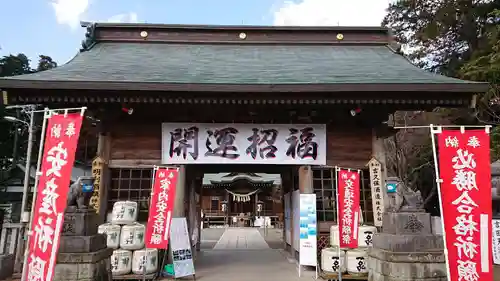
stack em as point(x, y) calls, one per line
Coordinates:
point(412, 201)
point(77, 197)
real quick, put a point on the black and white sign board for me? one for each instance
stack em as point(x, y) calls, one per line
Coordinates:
point(182, 256)
point(496, 241)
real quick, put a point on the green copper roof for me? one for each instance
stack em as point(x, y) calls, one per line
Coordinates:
point(239, 64)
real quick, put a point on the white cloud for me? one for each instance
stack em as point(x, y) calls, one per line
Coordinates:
point(70, 12)
point(129, 18)
point(331, 12)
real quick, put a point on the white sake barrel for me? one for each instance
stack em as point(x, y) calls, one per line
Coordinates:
point(365, 235)
point(121, 262)
point(132, 236)
point(334, 236)
point(124, 212)
point(331, 261)
point(145, 258)
point(357, 261)
point(112, 232)
point(109, 217)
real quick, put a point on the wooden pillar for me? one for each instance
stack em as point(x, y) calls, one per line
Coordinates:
point(199, 185)
point(255, 204)
point(305, 180)
point(228, 209)
point(180, 193)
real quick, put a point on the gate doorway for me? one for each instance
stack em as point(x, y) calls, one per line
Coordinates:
point(242, 233)
point(242, 211)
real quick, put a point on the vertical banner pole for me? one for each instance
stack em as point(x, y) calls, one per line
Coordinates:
point(150, 206)
point(337, 169)
point(434, 131)
point(46, 115)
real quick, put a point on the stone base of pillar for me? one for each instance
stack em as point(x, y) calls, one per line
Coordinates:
point(407, 250)
point(6, 266)
point(83, 255)
point(400, 266)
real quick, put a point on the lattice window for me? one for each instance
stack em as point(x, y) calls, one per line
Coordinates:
point(214, 206)
point(324, 184)
point(133, 185)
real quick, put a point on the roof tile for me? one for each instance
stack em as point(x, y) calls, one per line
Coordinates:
point(239, 64)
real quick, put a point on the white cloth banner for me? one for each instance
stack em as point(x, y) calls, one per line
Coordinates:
point(206, 143)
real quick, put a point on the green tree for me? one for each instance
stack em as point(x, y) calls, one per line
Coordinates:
point(442, 35)
point(13, 138)
point(14, 65)
point(45, 63)
point(455, 38)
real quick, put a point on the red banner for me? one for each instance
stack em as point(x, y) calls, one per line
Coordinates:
point(162, 205)
point(464, 167)
point(348, 208)
point(61, 140)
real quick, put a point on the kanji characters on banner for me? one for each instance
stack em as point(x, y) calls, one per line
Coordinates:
point(348, 207)
point(162, 205)
point(464, 168)
point(61, 140)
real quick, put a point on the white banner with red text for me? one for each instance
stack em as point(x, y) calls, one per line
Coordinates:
point(61, 141)
point(464, 172)
point(348, 207)
point(161, 207)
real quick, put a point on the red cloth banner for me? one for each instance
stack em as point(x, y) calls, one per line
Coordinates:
point(61, 140)
point(464, 168)
point(162, 205)
point(348, 208)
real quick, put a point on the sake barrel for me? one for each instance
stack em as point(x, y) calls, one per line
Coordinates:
point(357, 261)
point(121, 262)
point(331, 261)
point(145, 259)
point(109, 217)
point(132, 237)
point(365, 235)
point(112, 232)
point(334, 236)
point(124, 212)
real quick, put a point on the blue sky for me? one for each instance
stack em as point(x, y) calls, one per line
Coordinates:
point(51, 27)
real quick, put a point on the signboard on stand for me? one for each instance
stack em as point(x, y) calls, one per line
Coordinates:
point(496, 241)
point(308, 230)
point(182, 255)
point(97, 170)
point(377, 193)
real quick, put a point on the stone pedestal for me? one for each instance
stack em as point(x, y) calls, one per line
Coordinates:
point(83, 255)
point(6, 266)
point(406, 249)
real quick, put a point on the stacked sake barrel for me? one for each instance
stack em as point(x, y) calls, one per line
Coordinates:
point(126, 236)
point(352, 261)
